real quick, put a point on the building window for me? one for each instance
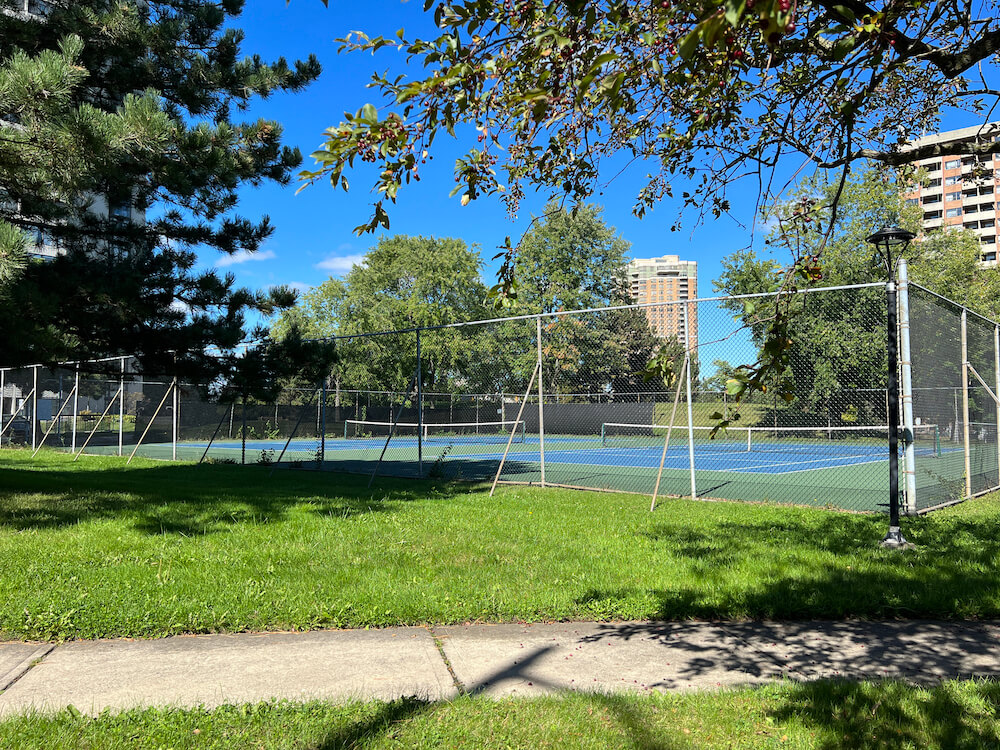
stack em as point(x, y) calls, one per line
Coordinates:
point(956, 180)
point(931, 215)
point(936, 182)
point(953, 212)
point(986, 190)
point(952, 164)
point(990, 257)
point(912, 201)
point(932, 198)
point(971, 209)
point(988, 240)
point(970, 225)
point(956, 196)
point(987, 223)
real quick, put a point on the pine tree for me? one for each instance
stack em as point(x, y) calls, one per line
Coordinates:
point(132, 102)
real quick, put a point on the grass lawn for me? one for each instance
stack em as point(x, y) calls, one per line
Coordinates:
point(815, 715)
point(95, 549)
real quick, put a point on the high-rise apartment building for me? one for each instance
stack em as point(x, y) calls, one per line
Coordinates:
point(667, 279)
point(961, 191)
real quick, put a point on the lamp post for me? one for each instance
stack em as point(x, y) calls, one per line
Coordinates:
point(890, 243)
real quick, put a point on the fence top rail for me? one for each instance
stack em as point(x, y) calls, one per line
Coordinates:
point(513, 318)
point(953, 302)
point(610, 308)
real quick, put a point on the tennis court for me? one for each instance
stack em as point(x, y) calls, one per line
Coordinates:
point(837, 468)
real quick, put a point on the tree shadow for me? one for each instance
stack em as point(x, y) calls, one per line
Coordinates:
point(888, 715)
point(193, 499)
point(954, 571)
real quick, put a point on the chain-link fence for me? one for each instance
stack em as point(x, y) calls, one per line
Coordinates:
point(561, 399)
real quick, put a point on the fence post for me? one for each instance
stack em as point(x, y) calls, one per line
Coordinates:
point(243, 430)
point(996, 371)
point(965, 405)
point(34, 407)
point(690, 409)
point(541, 399)
point(322, 423)
point(420, 411)
point(121, 410)
point(176, 422)
point(906, 378)
point(76, 406)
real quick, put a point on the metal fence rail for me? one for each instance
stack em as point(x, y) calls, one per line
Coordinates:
point(560, 400)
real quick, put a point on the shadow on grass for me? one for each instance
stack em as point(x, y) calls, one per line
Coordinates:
point(191, 499)
point(836, 715)
point(820, 565)
point(886, 715)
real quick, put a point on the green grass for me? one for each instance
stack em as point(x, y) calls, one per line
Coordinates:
point(96, 549)
point(830, 715)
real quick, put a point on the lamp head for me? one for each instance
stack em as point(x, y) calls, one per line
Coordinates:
point(888, 239)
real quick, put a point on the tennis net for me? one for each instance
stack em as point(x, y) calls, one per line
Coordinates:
point(926, 438)
point(438, 432)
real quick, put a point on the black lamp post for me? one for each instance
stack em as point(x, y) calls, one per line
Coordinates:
point(890, 243)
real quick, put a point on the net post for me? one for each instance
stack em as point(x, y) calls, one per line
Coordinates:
point(3, 374)
point(749, 439)
point(520, 412)
point(541, 399)
point(420, 412)
point(906, 378)
point(121, 409)
point(965, 404)
point(76, 407)
point(690, 409)
point(604, 441)
point(34, 407)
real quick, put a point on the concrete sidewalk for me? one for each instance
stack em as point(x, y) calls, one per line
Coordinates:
point(439, 663)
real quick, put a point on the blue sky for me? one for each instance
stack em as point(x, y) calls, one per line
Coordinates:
point(314, 230)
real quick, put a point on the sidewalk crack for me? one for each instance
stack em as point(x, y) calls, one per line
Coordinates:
point(22, 669)
point(447, 662)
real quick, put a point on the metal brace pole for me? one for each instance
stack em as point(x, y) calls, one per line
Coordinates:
point(76, 406)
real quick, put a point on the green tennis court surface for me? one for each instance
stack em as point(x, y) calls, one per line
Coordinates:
point(848, 474)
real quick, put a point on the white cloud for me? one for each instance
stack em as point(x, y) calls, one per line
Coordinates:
point(242, 257)
point(300, 286)
point(338, 264)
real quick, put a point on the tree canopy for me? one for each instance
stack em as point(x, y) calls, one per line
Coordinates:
point(836, 364)
point(701, 93)
point(403, 282)
point(121, 148)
